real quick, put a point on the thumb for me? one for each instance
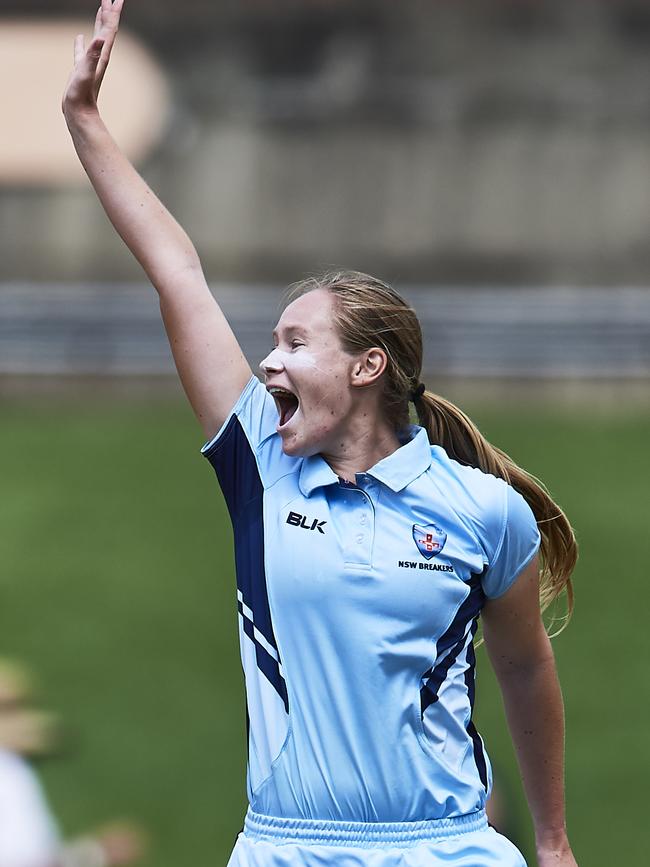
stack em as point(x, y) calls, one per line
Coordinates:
point(95, 50)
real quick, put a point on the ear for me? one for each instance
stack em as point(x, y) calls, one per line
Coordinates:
point(369, 367)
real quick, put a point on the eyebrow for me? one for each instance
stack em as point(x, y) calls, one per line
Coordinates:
point(292, 329)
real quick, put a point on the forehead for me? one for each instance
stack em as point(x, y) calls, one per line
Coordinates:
point(311, 312)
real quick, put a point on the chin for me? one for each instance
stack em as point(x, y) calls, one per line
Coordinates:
point(293, 447)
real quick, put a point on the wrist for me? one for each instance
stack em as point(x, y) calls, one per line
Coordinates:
point(88, 132)
point(82, 119)
point(554, 839)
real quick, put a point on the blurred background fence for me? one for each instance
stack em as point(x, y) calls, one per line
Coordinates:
point(532, 333)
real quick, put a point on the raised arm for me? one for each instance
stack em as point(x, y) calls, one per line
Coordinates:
point(208, 358)
point(520, 652)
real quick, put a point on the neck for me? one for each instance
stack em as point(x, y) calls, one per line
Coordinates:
point(359, 450)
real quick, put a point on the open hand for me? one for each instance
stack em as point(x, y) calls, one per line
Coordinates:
point(90, 64)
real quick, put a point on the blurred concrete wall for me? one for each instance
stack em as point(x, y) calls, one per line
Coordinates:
point(451, 141)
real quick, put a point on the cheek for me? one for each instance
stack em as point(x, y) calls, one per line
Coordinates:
point(329, 406)
point(303, 361)
point(321, 381)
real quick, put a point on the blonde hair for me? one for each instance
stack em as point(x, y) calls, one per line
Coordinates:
point(368, 313)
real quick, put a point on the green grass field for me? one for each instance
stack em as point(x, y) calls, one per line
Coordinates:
point(117, 586)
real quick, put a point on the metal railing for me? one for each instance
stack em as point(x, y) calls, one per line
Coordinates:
point(115, 330)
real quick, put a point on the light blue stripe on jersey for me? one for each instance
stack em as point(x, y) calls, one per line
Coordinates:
point(358, 605)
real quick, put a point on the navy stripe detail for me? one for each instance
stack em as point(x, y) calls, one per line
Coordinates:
point(429, 693)
point(266, 664)
point(452, 642)
point(470, 679)
point(470, 682)
point(234, 463)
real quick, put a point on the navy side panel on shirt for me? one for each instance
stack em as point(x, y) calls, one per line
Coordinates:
point(470, 681)
point(451, 644)
point(234, 455)
point(236, 469)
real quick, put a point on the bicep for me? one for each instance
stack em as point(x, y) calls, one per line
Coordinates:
point(514, 633)
point(210, 363)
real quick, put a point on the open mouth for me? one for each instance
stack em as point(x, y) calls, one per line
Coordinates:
point(286, 402)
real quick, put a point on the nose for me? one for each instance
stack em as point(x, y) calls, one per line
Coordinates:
point(272, 363)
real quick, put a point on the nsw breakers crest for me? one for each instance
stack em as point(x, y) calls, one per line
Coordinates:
point(430, 539)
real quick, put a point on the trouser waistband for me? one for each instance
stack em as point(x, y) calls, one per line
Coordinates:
point(361, 834)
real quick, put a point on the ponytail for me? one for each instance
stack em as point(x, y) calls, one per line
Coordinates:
point(449, 427)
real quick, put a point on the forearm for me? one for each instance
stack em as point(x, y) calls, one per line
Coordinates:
point(152, 234)
point(535, 714)
point(209, 360)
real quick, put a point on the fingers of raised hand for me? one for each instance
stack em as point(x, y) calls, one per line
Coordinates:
point(107, 23)
point(108, 15)
point(95, 51)
point(86, 61)
point(107, 18)
point(90, 63)
point(89, 58)
point(81, 90)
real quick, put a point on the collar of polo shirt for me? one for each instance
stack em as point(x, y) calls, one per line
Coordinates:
point(396, 471)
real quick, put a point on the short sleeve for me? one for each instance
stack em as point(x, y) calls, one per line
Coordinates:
point(255, 413)
point(518, 545)
point(239, 453)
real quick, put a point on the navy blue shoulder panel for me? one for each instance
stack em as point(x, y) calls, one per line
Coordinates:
point(234, 463)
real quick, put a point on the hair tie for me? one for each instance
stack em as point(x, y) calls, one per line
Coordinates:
point(417, 392)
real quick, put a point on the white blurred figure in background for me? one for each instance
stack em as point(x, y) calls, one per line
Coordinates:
point(29, 836)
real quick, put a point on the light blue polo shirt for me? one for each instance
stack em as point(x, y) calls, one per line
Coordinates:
point(358, 604)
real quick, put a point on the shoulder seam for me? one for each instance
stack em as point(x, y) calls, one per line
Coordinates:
point(214, 443)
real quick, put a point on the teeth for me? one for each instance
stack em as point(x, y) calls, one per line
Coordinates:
point(279, 391)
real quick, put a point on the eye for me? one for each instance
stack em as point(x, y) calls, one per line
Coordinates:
point(296, 343)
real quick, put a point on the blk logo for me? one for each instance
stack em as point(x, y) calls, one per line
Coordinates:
point(297, 520)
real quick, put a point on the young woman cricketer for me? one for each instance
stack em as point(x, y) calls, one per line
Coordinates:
point(359, 666)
